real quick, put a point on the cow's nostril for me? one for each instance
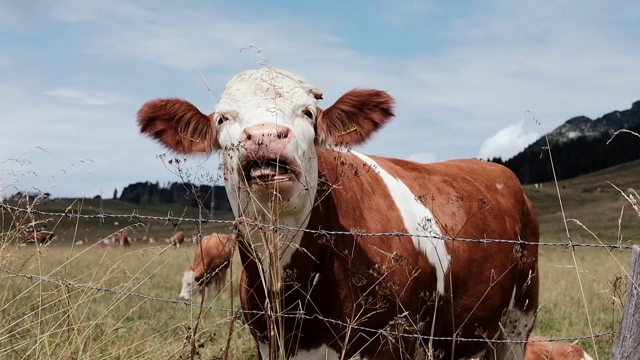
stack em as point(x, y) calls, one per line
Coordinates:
point(283, 133)
point(249, 136)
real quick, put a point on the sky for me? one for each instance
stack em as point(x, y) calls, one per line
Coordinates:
point(470, 79)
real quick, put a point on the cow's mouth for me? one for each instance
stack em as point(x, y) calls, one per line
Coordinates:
point(268, 171)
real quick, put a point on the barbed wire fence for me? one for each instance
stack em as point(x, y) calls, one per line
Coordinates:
point(170, 218)
point(300, 315)
point(176, 219)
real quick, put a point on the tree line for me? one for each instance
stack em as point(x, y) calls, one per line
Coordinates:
point(579, 156)
point(182, 193)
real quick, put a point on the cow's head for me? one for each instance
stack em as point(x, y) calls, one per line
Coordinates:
point(188, 285)
point(266, 126)
point(191, 285)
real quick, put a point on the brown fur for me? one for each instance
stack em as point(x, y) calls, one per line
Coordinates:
point(354, 117)
point(384, 282)
point(122, 238)
point(374, 280)
point(39, 237)
point(212, 260)
point(544, 350)
point(178, 125)
point(177, 239)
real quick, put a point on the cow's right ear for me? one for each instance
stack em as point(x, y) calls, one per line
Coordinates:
point(179, 126)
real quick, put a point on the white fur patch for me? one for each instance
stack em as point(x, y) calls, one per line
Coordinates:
point(417, 220)
point(321, 353)
point(270, 96)
point(188, 280)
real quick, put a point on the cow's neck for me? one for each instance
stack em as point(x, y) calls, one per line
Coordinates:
point(274, 244)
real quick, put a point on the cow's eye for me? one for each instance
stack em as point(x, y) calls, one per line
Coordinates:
point(221, 119)
point(308, 114)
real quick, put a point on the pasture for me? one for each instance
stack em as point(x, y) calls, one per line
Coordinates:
point(45, 320)
point(99, 318)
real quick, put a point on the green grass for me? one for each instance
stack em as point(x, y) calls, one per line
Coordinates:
point(596, 212)
point(47, 320)
point(593, 201)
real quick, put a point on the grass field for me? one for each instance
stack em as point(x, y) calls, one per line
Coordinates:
point(42, 320)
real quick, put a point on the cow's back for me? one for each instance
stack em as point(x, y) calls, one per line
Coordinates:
point(539, 349)
point(476, 284)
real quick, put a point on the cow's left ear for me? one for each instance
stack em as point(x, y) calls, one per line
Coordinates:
point(179, 126)
point(354, 117)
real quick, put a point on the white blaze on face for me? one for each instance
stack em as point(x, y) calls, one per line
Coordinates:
point(252, 104)
point(188, 282)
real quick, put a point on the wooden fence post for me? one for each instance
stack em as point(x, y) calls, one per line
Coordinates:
point(627, 344)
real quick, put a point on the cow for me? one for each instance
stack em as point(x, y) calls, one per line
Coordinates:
point(122, 238)
point(210, 265)
point(39, 237)
point(352, 255)
point(541, 349)
point(177, 239)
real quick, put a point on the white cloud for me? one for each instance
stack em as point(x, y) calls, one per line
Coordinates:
point(490, 67)
point(83, 97)
point(423, 157)
point(508, 142)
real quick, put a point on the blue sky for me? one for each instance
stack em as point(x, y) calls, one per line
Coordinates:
point(470, 78)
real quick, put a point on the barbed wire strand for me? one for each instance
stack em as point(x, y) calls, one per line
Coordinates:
point(67, 283)
point(174, 219)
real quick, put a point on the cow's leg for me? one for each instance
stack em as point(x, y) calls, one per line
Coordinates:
point(516, 326)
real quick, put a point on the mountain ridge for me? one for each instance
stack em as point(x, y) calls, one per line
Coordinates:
point(579, 146)
point(583, 126)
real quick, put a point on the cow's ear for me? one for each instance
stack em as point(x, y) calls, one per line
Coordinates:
point(179, 126)
point(354, 117)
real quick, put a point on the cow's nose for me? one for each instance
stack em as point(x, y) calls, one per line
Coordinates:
point(267, 133)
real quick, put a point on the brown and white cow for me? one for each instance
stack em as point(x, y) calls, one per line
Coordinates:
point(177, 239)
point(122, 238)
point(210, 265)
point(39, 237)
point(540, 349)
point(288, 162)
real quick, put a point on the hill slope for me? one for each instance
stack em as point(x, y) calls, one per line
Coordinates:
point(594, 202)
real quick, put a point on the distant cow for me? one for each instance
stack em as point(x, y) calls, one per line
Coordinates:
point(39, 237)
point(212, 259)
point(546, 350)
point(177, 239)
point(122, 238)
